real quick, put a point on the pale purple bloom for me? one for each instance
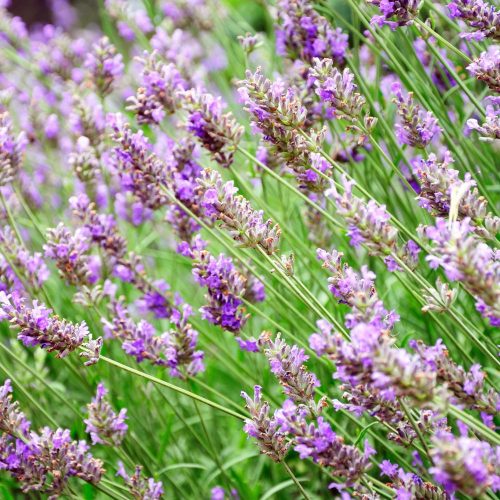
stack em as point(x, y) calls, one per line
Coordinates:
point(287, 364)
point(140, 487)
point(105, 66)
point(467, 387)
point(218, 132)
point(263, 428)
point(104, 425)
point(140, 170)
point(418, 128)
point(465, 464)
point(11, 150)
point(31, 266)
point(303, 34)
point(337, 89)
point(38, 327)
point(70, 252)
point(438, 183)
point(466, 258)
point(245, 225)
point(42, 462)
point(368, 224)
point(487, 67)
point(225, 287)
point(159, 92)
point(482, 17)
point(489, 130)
point(395, 12)
point(316, 440)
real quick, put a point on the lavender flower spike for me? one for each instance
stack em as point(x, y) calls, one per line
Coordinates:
point(490, 129)
point(337, 89)
point(11, 150)
point(264, 429)
point(439, 183)
point(245, 225)
point(218, 133)
point(159, 93)
point(487, 67)
point(303, 34)
point(395, 12)
point(368, 223)
point(140, 488)
point(481, 16)
point(467, 259)
point(105, 66)
point(418, 128)
point(465, 464)
point(44, 461)
point(287, 364)
point(12, 419)
point(37, 327)
point(70, 253)
point(318, 442)
point(103, 424)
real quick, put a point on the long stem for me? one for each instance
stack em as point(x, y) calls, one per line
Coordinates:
point(295, 480)
point(170, 386)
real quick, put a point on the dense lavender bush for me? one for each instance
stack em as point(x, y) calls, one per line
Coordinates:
point(270, 229)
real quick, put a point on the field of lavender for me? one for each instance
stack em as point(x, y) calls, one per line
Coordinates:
point(249, 250)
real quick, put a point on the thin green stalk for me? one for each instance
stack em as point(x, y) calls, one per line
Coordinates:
point(170, 386)
point(295, 480)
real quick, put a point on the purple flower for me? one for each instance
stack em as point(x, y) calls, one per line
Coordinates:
point(337, 89)
point(395, 13)
point(245, 225)
point(69, 251)
point(303, 34)
point(45, 461)
point(467, 387)
point(103, 424)
point(408, 485)
point(490, 129)
point(159, 92)
point(139, 487)
point(466, 258)
point(140, 170)
point(368, 224)
point(438, 182)
point(487, 67)
point(31, 266)
point(217, 132)
point(11, 150)
point(105, 66)
point(12, 419)
point(481, 16)
point(417, 128)
point(465, 464)
point(287, 364)
point(38, 327)
point(316, 440)
point(225, 286)
point(263, 428)
point(84, 160)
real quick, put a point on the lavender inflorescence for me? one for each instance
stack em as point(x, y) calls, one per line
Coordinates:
point(482, 17)
point(245, 224)
point(42, 461)
point(38, 327)
point(102, 423)
point(217, 132)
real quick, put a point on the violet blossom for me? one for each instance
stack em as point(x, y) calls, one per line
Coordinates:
point(482, 17)
point(103, 424)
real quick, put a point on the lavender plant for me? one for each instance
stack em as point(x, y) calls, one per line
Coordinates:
point(260, 240)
